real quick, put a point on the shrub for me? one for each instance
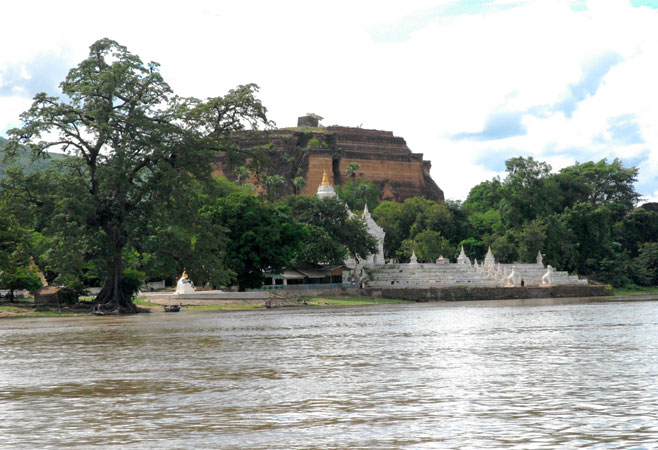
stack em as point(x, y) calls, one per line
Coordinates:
point(133, 279)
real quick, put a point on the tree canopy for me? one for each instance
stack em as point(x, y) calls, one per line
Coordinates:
point(330, 234)
point(261, 237)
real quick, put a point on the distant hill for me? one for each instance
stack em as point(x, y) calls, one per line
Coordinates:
point(23, 160)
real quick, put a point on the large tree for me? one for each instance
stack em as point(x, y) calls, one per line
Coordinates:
point(134, 144)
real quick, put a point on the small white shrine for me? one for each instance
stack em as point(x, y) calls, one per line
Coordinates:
point(184, 285)
point(325, 190)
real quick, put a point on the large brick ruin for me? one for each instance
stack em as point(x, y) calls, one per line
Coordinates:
point(306, 151)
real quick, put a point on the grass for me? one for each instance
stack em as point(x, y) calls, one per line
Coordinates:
point(141, 301)
point(316, 301)
point(637, 291)
point(25, 308)
point(27, 311)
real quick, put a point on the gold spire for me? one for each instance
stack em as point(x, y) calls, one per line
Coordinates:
point(184, 274)
point(325, 179)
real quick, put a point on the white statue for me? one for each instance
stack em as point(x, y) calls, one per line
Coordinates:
point(184, 285)
point(540, 259)
point(413, 259)
point(513, 278)
point(547, 279)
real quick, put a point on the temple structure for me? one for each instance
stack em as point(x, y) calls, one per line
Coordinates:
point(442, 273)
point(310, 151)
point(464, 273)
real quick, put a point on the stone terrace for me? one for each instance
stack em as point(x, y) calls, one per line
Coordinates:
point(400, 276)
point(428, 275)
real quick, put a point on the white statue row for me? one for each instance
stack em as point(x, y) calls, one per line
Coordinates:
point(514, 279)
point(494, 270)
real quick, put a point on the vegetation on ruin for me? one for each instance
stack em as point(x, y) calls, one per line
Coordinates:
point(359, 191)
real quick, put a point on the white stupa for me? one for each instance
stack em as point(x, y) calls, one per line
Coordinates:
point(325, 190)
point(462, 258)
point(379, 234)
point(184, 285)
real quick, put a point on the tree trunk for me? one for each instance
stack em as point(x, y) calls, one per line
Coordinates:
point(111, 298)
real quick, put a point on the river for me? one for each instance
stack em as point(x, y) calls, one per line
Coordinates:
point(527, 375)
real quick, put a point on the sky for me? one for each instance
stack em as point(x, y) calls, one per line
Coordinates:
point(467, 83)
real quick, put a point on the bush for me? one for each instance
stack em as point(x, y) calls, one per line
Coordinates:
point(70, 295)
point(313, 143)
point(70, 289)
point(133, 279)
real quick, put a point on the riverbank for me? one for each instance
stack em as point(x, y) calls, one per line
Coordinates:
point(312, 302)
point(26, 307)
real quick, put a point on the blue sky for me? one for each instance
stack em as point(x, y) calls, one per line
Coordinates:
point(467, 83)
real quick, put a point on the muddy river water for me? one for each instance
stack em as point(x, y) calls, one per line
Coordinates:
point(540, 375)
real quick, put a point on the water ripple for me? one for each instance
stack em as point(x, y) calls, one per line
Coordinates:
point(468, 375)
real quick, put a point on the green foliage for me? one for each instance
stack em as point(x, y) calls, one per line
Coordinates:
point(581, 218)
point(635, 228)
point(260, 236)
point(20, 276)
point(484, 197)
point(241, 174)
point(388, 216)
point(132, 280)
point(299, 184)
point(505, 247)
point(70, 295)
point(352, 170)
point(312, 144)
point(329, 233)
point(403, 222)
point(357, 195)
point(474, 248)
point(272, 184)
point(430, 244)
point(16, 268)
point(530, 240)
point(645, 266)
point(600, 183)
